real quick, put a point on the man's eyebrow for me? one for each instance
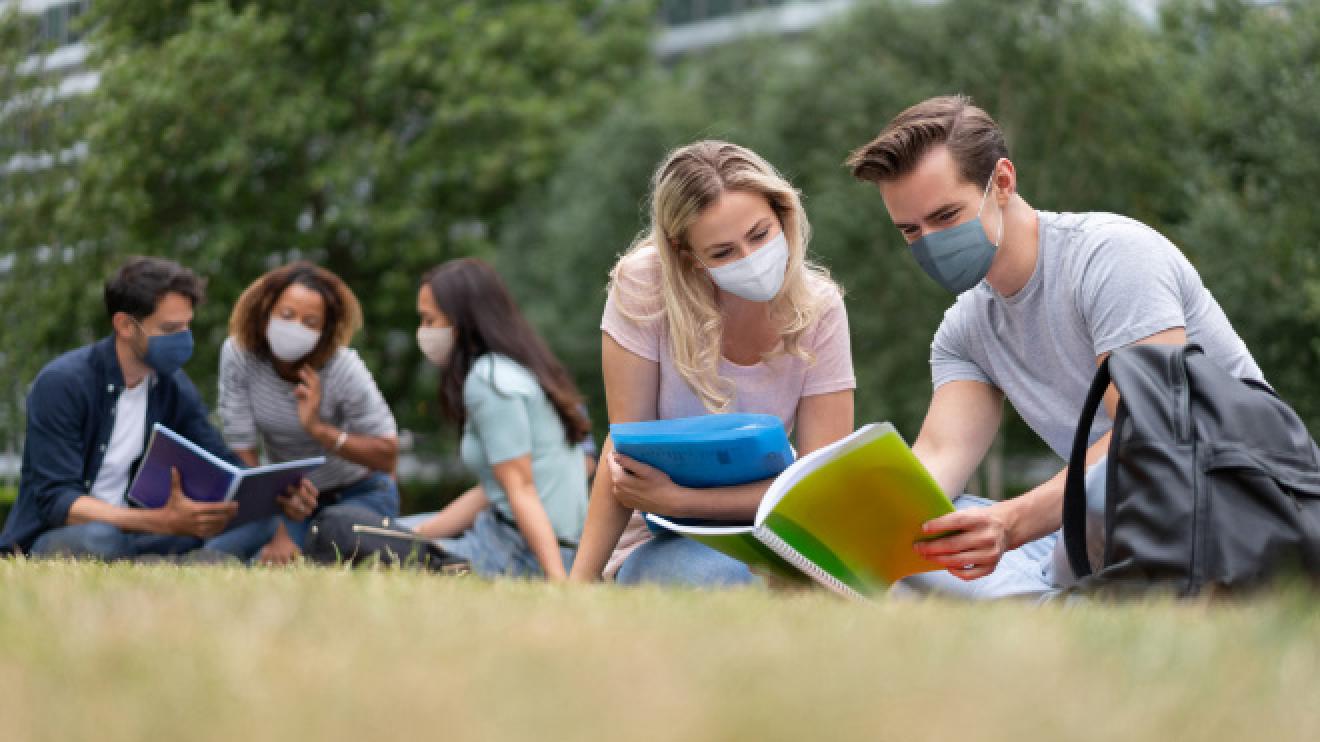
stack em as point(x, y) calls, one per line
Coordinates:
point(934, 213)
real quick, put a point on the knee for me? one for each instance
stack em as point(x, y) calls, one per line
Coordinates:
point(86, 541)
point(672, 560)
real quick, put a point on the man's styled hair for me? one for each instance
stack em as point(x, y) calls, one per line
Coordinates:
point(973, 138)
point(139, 285)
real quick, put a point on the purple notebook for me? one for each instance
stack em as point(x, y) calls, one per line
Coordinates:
point(206, 478)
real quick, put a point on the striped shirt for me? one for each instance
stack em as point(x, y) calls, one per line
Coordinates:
point(256, 405)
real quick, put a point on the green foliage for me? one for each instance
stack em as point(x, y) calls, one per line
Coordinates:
point(380, 138)
point(375, 138)
point(1201, 124)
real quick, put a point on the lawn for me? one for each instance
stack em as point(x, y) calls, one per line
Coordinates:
point(109, 653)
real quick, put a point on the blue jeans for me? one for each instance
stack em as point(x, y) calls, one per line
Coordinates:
point(494, 548)
point(376, 492)
point(670, 559)
point(1036, 570)
point(108, 543)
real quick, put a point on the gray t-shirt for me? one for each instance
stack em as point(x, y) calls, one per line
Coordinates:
point(1101, 282)
point(256, 403)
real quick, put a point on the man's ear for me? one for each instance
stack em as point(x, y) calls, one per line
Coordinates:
point(1005, 177)
point(123, 325)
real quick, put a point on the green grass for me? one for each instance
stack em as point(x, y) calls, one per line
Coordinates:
point(139, 653)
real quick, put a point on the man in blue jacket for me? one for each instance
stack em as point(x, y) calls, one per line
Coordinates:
point(89, 415)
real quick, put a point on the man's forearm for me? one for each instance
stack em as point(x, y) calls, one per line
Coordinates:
point(1039, 511)
point(87, 509)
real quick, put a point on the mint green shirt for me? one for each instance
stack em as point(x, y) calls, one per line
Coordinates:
point(508, 416)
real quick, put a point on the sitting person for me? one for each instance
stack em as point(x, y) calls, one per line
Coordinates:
point(289, 382)
point(1042, 299)
point(89, 415)
point(716, 309)
point(521, 421)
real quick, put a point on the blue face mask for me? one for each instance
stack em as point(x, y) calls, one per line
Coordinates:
point(959, 257)
point(167, 353)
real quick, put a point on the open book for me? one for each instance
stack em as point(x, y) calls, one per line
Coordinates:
point(845, 515)
point(207, 478)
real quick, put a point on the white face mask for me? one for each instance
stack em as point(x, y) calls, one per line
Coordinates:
point(757, 277)
point(436, 344)
point(289, 340)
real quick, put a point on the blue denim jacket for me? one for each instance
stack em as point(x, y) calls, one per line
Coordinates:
point(70, 415)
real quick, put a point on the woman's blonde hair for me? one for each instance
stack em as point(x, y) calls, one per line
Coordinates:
point(690, 180)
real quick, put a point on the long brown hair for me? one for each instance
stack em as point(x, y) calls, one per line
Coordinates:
point(486, 320)
point(343, 314)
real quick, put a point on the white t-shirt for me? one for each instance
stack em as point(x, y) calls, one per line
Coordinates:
point(127, 439)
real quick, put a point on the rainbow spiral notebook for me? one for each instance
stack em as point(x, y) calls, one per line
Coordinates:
point(845, 515)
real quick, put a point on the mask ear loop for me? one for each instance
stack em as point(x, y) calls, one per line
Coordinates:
point(1000, 239)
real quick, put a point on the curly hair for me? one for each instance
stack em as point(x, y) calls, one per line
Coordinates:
point(343, 314)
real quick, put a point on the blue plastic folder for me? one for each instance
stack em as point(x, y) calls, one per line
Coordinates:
point(709, 450)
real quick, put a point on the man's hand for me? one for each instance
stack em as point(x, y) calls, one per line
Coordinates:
point(280, 551)
point(979, 537)
point(183, 516)
point(300, 500)
point(642, 487)
point(308, 394)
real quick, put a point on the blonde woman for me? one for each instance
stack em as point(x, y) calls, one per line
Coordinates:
point(715, 309)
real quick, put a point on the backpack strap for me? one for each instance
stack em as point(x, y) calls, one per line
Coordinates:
point(1074, 490)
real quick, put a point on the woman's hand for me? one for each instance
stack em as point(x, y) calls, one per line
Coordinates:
point(300, 500)
point(308, 394)
point(642, 487)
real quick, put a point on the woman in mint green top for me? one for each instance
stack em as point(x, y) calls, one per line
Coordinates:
point(521, 424)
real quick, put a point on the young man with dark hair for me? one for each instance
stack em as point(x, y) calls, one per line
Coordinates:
point(1043, 298)
point(89, 414)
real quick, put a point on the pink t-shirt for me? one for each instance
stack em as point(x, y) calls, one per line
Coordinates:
point(772, 387)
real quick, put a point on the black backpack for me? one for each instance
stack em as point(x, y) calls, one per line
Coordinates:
point(1213, 482)
point(351, 534)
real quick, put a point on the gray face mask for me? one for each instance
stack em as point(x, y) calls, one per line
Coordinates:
point(959, 257)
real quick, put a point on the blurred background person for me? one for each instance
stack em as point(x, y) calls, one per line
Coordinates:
point(290, 383)
point(521, 421)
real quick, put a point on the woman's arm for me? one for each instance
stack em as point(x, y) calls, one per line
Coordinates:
point(515, 476)
point(456, 517)
point(822, 420)
point(376, 452)
point(632, 385)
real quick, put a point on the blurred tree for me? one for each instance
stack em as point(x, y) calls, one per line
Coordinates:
point(1250, 173)
point(376, 138)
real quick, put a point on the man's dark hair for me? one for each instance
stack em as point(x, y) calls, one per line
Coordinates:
point(139, 285)
point(974, 139)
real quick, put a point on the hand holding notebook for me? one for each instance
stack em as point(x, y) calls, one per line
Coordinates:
point(845, 515)
point(207, 478)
